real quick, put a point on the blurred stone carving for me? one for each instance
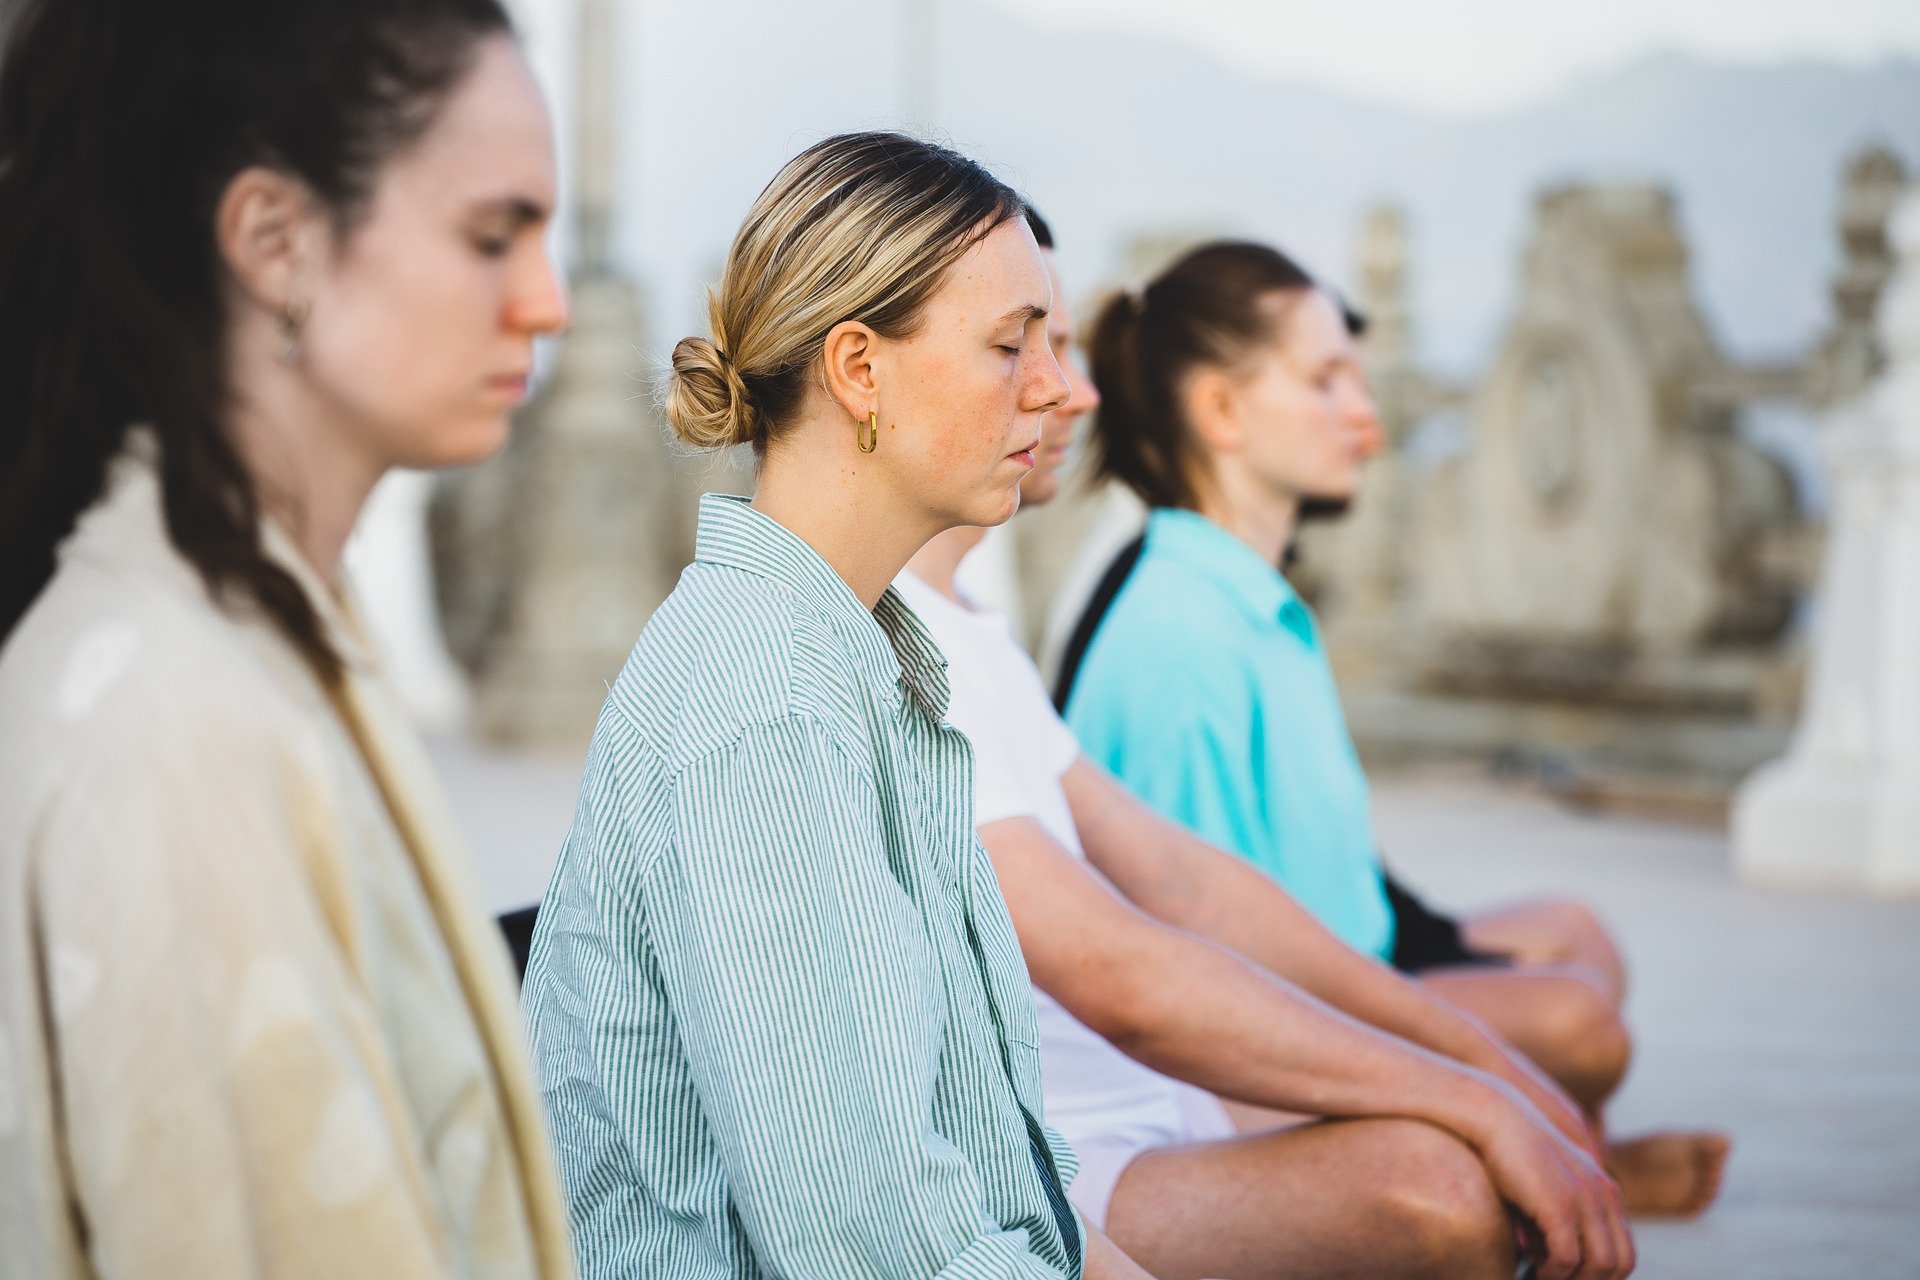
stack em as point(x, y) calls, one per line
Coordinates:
point(1608, 570)
point(1851, 355)
point(1843, 806)
point(1604, 507)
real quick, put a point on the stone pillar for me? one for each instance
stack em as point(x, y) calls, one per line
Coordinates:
point(1351, 564)
point(570, 540)
point(1842, 807)
point(920, 63)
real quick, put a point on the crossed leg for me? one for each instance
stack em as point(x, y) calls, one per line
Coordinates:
point(1550, 932)
point(1565, 1018)
point(1380, 1199)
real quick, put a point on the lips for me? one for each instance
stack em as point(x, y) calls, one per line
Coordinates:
point(509, 384)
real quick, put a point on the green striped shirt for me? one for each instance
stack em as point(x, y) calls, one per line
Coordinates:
point(780, 1016)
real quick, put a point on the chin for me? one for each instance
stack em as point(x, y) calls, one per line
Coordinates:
point(459, 444)
point(1039, 489)
point(998, 510)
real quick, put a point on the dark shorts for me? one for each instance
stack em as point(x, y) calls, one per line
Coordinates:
point(1424, 938)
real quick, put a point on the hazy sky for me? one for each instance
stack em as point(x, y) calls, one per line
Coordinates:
point(1464, 56)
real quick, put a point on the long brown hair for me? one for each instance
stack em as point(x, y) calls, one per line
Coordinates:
point(121, 124)
point(1211, 309)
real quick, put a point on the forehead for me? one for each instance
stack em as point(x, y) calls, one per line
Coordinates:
point(1001, 272)
point(1060, 319)
point(492, 138)
point(1314, 330)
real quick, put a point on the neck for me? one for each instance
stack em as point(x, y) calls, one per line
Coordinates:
point(839, 508)
point(1252, 512)
point(306, 475)
point(938, 561)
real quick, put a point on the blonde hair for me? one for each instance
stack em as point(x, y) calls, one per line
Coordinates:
point(862, 226)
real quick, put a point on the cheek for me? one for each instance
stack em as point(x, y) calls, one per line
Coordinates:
point(406, 343)
point(963, 409)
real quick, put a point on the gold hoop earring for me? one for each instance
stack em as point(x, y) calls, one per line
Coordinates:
point(867, 434)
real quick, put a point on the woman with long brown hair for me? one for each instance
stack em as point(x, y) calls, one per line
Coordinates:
point(251, 1022)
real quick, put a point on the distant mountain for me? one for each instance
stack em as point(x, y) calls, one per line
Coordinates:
point(1134, 136)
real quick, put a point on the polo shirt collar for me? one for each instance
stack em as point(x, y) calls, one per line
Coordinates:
point(888, 644)
point(1260, 590)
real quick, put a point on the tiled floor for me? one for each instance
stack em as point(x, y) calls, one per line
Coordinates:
point(1791, 1020)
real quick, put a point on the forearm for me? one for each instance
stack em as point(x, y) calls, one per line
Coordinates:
point(1238, 907)
point(1201, 1014)
point(1180, 879)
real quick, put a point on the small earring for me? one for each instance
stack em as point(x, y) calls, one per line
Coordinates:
point(291, 319)
point(867, 434)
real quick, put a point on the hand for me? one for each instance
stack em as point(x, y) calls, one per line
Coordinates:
point(1503, 1060)
point(1572, 1215)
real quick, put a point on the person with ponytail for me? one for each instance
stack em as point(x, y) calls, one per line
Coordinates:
point(1232, 401)
point(778, 1009)
point(252, 1022)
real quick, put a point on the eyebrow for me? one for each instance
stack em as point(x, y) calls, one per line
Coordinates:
point(1032, 311)
point(520, 210)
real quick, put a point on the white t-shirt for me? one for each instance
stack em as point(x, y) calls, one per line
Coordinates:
point(1021, 748)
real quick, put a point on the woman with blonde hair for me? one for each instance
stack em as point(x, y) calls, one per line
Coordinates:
point(251, 1021)
point(779, 1012)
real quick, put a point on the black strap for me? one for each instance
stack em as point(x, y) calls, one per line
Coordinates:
point(518, 926)
point(1099, 604)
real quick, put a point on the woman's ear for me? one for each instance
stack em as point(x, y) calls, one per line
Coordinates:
point(269, 237)
point(847, 368)
point(1212, 404)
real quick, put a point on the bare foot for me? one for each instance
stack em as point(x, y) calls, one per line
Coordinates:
point(1669, 1175)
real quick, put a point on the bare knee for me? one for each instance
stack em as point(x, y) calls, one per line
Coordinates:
point(1592, 1045)
point(1441, 1204)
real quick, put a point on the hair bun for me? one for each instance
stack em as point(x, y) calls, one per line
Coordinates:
point(707, 400)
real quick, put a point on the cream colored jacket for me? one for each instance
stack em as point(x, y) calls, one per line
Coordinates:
point(252, 1021)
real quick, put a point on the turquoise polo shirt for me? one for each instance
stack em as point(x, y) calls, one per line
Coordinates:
point(1208, 693)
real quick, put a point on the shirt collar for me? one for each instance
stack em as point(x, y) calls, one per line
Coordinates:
point(889, 643)
point(1260, 590)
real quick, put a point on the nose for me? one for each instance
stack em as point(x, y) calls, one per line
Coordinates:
point(1049, 389)
point(1362, 417)
point(1086, 396)
point(538, 303)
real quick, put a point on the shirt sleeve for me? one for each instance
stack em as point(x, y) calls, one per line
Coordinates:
point(1188, 743)
point(229, 1106)
point(998, 791)
point(999, 702)
point(810, 1004)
